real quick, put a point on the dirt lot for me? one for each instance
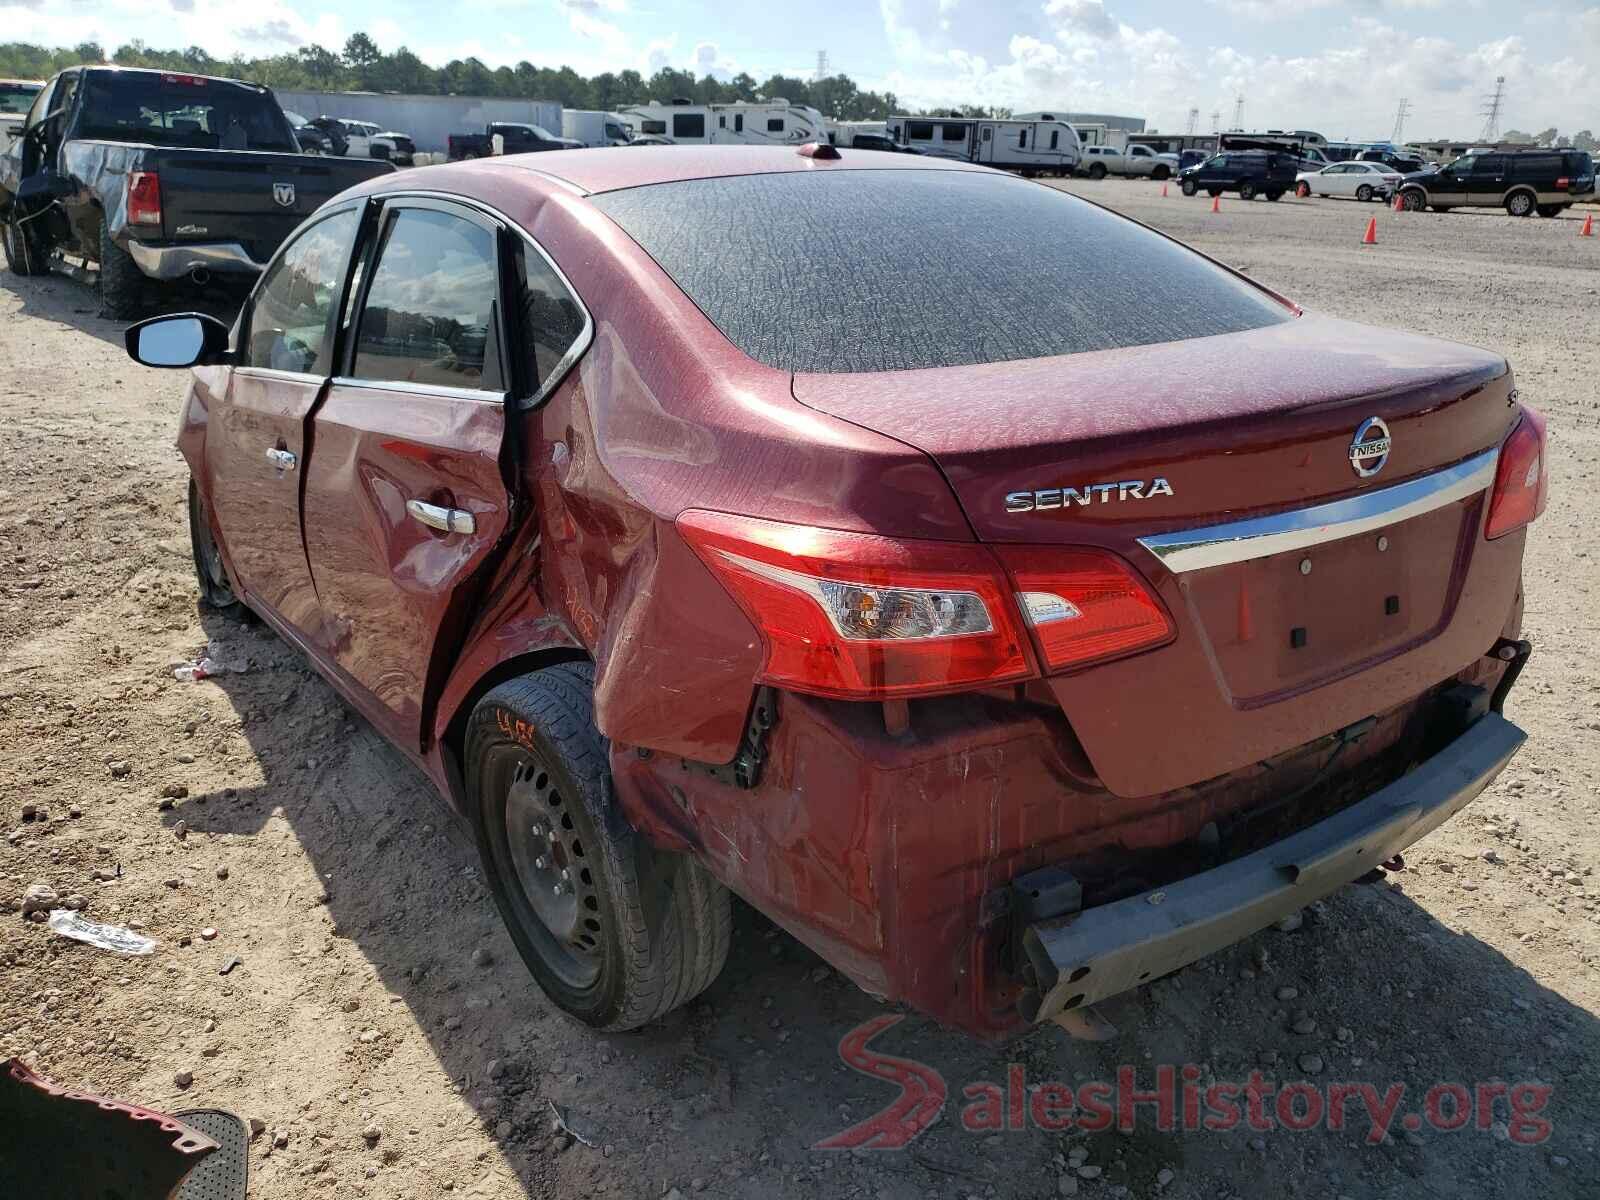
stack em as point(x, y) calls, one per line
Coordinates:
point(379, 1023)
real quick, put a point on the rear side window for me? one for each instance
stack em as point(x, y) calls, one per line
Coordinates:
point(289, 318)
point(1535, 166)
point(429, 313)
point(890, 270)
point(688, 125)
point(549, 315)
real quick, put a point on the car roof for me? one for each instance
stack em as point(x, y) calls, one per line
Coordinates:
point(612, 168)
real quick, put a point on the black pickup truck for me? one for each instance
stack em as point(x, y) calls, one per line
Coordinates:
point(518, 139)
point(159, 177)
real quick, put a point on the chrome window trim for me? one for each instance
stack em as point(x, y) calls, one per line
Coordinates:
point(1257, 537)
point(443, 391)
point(276, 373)
point(580, 344)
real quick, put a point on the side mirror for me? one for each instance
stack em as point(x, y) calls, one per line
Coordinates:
point(184, 340)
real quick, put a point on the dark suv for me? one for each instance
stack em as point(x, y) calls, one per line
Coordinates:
point(1520, 181)
point(1248, 172)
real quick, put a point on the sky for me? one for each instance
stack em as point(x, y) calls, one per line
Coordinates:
point(1340, 67)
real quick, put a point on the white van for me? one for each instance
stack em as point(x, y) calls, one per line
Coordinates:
point(594, 128)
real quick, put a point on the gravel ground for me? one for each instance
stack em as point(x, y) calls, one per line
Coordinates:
point(380, 1026)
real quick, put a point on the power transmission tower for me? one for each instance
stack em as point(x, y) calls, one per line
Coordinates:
point(1491, 113)
point(822, 64)
point(1400, 116)
point(1238, 111)
point(1216, 121)
point(1194, 120)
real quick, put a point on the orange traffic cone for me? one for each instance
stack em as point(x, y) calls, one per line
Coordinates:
point(1588, 226)
point(1216, 204)
point(1399, 202)
point(1372, 233)
point(1163, 191)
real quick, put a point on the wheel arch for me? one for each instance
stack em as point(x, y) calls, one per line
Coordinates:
point(1520, 189)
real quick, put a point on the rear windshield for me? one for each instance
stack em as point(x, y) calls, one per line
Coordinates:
point(15, 98)
point(183, 110)
point(894, 270)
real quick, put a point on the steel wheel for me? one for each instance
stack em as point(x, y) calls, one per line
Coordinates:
point(551, 868)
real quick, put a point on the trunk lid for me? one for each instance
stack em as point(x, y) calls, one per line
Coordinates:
point(1110, 447)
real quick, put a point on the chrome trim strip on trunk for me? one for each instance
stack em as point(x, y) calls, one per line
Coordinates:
point(1257, 537)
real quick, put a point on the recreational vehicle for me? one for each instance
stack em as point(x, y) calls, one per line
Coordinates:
point(758, 123)
point(1044, 145)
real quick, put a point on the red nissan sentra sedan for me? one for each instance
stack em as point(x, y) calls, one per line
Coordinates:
point(1009, 601)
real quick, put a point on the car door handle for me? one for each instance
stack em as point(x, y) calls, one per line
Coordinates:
point(436, 516)
point(284, 460)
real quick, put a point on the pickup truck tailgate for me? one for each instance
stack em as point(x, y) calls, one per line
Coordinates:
point(251, 198)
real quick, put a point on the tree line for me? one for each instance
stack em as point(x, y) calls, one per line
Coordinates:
point(361, 66)
point(1584, 139)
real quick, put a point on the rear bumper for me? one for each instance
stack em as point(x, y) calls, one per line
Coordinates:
point(1100, 952)
point(175, 262)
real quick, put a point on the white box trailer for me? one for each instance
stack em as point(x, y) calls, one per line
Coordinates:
point(594, 128)
point(756, 123)
point(1043, 146)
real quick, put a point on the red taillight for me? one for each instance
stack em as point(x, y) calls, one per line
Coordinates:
point(859, 616)
point(1563, 184)
point(1084, 606)
point(1522, 480)
point(191, 80)
point(144, 198)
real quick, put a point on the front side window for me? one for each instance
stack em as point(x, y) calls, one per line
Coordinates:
point(289, 317)
point(429, 311)
point(688, 125)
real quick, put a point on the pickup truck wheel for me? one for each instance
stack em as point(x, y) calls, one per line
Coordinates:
point(1161, 173)
point(1188, 187)
point(211, 576)
point(1364, 193)
point(26, 254)
point(1247, 191)
point(616, 933)
point(1097, 171)
point(121, 282)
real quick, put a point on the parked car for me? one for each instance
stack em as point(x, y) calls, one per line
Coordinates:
point(158, 177)
point(16, 95)
point(515, 138)
point(350, 138)
point(1358, 180)
point(1001, 701)
point(311, 139)
point(1251, 173)
point(651, 139)
point(1136, 160)
point(879, 141)
point(1406, 164)
point(1520, 181)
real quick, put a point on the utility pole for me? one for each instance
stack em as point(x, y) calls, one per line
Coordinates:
point(1400, 116)
point(1238, 111)
point(1194, 120)
point(1491, 112)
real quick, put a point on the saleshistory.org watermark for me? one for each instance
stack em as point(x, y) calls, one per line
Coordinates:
point(1173, 1098)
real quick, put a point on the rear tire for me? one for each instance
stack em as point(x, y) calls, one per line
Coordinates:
point(635, 932)
point(121, 281)
point(1550, 210)
point(1364, 193)
point(1520, 204)
point(26, 253)
point(1247, 191)
point(1097, 171)
point(1188, 187)
point(1161, 174)
point(1274, 195)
